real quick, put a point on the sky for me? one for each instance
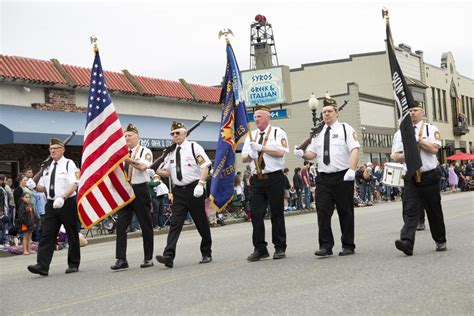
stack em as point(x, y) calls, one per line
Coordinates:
point(179, 39)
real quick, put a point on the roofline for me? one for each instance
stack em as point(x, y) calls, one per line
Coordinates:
point(335, 61)
point(443, 69)
point(72, 84)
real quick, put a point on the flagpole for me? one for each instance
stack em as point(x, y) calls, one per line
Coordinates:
point(93, 39)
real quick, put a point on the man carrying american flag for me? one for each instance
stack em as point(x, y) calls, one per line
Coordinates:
point(104, 187)
point(140, 158)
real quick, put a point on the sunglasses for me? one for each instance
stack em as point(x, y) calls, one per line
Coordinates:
point(175, 133)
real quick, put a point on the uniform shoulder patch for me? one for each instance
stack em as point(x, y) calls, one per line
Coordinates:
point(200, 160)
point(284, 143)
point(148, 157)
point(437, 135)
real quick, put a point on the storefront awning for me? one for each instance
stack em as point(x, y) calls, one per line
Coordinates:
point(25, 125)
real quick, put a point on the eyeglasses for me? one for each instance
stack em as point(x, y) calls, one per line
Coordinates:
point(175, 133)
point(54, 148)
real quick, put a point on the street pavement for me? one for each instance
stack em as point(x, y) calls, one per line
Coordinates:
point(378, 279)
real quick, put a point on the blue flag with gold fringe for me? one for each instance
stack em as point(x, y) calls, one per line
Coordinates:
point(234, 128)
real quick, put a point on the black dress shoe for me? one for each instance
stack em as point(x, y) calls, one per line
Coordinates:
point(404, 246)
point(37, 269)
point(166, 260)
point(257, 255)
point(147, 264)
point(346, 252)
point(441, 246)
point(205, 259)
point(421, 226)
point(323, 252)
point(120, 264)
point(72, 269)
point(279, 254)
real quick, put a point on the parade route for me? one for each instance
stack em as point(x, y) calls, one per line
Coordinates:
point(378, 279)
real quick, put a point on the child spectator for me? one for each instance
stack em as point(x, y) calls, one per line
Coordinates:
point(26, 219)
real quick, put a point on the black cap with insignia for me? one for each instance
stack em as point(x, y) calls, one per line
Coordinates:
point(56, 141)
point(259, 107)
point(177, 125)
point(131, 128)
point(328, 101)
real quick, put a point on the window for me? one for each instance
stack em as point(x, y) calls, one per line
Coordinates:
point(472, 111)
point(433, 101)
point(440, 110)
point(445, 110)
point(468, 111)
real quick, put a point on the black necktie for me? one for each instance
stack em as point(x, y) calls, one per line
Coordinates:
point(52, 181)
point(127, 166)
point(326, 159)
point(260, 141)
point(179, 175)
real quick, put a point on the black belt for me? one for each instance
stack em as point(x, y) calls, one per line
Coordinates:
point(269, 173)
point(139, 184)
point(187, 186)
point(424, 173)
point(329, 174)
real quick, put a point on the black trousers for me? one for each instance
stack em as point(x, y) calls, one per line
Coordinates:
point(184, 202)
point(263, 192)
point(332, 191)
point(52, 220)
point(141, 207)
point(417, 196)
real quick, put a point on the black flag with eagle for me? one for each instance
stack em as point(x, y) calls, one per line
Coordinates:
point(405, 101)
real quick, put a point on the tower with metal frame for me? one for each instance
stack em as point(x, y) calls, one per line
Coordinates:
point(262, 44)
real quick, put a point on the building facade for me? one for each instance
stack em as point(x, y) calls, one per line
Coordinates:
point(42, 99)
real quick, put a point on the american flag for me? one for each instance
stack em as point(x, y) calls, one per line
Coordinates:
point(103, 187)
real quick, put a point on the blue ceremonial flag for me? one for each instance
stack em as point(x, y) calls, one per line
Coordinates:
point(234, 129)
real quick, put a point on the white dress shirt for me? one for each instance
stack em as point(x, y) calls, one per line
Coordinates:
point(340, 146)
point(142, 155)
point(190, 165)
point(65, 175)
point(279, 141)
point(430, 134)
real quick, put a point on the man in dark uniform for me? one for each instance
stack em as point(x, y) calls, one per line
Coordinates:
point(265, 150)
point(140, 158)
point(59, 183)
point(337, 151)
point(424, 194)
point(188, 167)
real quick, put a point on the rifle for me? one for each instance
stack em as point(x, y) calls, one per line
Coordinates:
point(172, 147)
point(45, 164)
point(316, 130)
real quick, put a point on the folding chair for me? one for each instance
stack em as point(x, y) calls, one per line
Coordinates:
point(236, 208)
point(167, 213)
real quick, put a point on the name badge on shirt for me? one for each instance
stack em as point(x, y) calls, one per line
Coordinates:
point(335, 136)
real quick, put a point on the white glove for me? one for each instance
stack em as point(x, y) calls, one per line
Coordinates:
point(31, 184)
point(253, 155)
point(58, 202)
point(255, 147)
point(150, 172)
point(298, 152)
point(198, 190)
point(350, 175)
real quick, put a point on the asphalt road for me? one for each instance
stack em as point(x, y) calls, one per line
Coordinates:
point(378, 279)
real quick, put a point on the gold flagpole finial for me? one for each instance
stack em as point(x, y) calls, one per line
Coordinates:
point(385, 13)
point(226, 33)
point(94, 43)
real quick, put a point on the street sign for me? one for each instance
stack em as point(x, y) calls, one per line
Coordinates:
point(274, 115)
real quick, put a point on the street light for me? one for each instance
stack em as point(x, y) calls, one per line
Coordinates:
point(313, 104)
